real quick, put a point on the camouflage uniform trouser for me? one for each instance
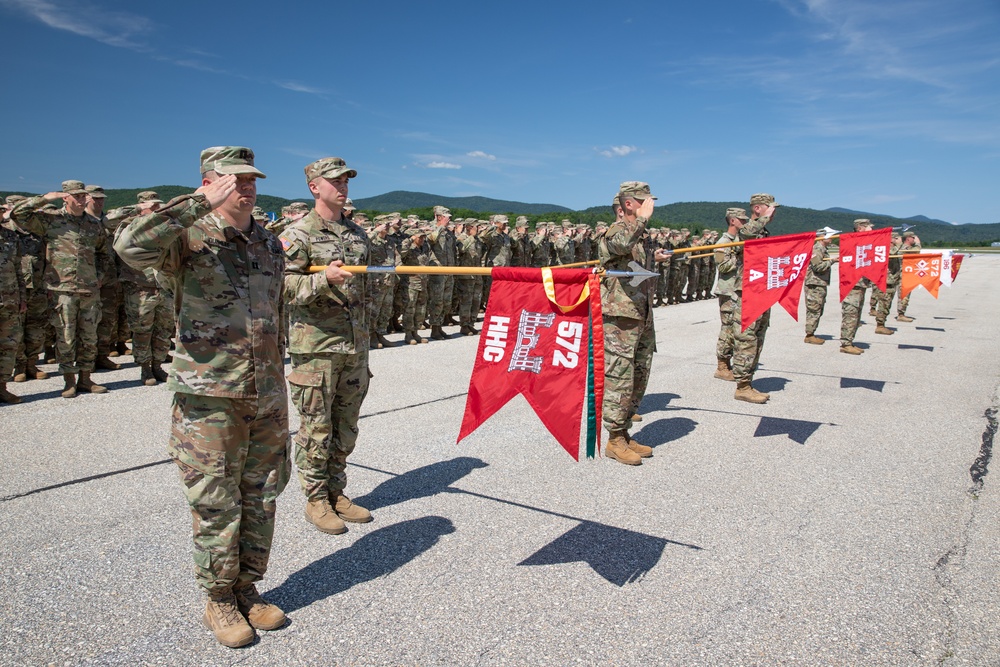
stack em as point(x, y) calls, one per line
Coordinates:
point(75, 318)
point(35, 325)
point(628, 356)
point(662, 280)
point(10, 338)
point(399, 296)
point(707, 278)
point(439, 295)
point(902, 304)
point(415, 310)
point(327, 391)
point(748, 344)
point(678, 278)
point(815, 303)
point(725, 345)
point(883, 303)
point(470, 291)
point(694, 279)
point(107, 329)
point(150, 321)
point(380, 304)
point(232, 455)
point(850, 315)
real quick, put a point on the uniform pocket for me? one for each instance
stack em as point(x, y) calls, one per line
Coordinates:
point(307, 391)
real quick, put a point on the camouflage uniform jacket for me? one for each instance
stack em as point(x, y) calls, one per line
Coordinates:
point(32, 259)
point(384, 252)
point(443, 247)
point(325, 318)
point(470, 252)
point(818, 272)
point(109, 267)
point(144, 278)
point(730, 263)
point(621, 245)
point(227, 301)
point(564, 249)
point(75, 245)
point(895, 268)
point(754, 228)
point(417, 256)
point(12, 290)
point(519, 249)
point(499, 246)
point(541, 251)
point(582, 249)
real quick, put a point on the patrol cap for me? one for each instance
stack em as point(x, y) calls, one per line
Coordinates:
point(521, 221)
point(13, 199)
point(441, 210)
point(299, 206)
point(862, 222)
point(74, 187)
point(328, 167)
point(229, 160)
point(415, 231)
point(499, 219)
point(95, 191)
point(736, 213)
point(258, 212)
point(909, 235)
point(764, 199)
point(635, 190)
point(148, 196)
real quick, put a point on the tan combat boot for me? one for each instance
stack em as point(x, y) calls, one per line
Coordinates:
point(850, 349)
point(348, 511)
point(618, 449)
point(642, 450)
point(320, 514)
point(813, 339)
point(20, 374)
point(884, 330)
point(636, 418)
point(105, 364)
point(723, 372)
point(223, 618)
point(903, 318)
point(746, 392)
point(147, 375)
point(437, 333)
point(86, 384)
point(6, 396)
point(262, 614)
point(31, 369)
point(69, 391)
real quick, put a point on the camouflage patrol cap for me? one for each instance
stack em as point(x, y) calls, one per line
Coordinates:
point(909, 235)
point(736, 213)
point(566, 222)
point(635, 190)
point(415, 231)
point(148, 196)
point(862, 222)
point(441, 210)
point(349, 205)
point(521, 221)
point(764, 199)
point(499, 219)
point(299, 206)
point(74, 187)
point(328, 167)
point(229, 160)
point(95, 191)
point(896, 236)
point(13, 199)
point(258, 212)
point(413, 217)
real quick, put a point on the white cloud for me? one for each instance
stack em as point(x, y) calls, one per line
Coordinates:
point(297, 87)
point(438, 164)
point(618, 151)
point(119, 29)
point(481, 154)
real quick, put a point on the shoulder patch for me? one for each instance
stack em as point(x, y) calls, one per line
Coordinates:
point(285, 243)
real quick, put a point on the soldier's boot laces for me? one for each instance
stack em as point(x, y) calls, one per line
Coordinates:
point(33, 372)
point(746, 392)
point(158, 373)
point(724, 372)
point(6, 396)
point(813, 339)
point(105, 364)
point(850, 349)
point(69, 390)
point(348, 511)
point(223, 618)
point(618, 449)
point(437, 333)
point(88, 385)
point(20, 374)
point(320, 514)
point(642, 450)
point(884, 330)
point(147, 375)
point(262, 614)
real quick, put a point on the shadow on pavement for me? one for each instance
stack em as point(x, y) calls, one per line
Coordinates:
point(852, 383)
point(769, 385)
point(654, 402)
point(422, 482)
point(375, 555)
point(925, 348)
point(620, 556)
point(662, 431)
point(795, 429)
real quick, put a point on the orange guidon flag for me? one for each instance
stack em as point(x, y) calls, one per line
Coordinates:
point(920, 269)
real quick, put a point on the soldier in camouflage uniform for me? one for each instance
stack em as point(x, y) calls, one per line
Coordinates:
point(850, 307)
point(883, 304)
point(911, 243)
point(440, 289)
point(107, 327)
point(381, 286)
point(13, 305)
point(629, 338)
point(541, 246)
point(707, 272)
point(328, 342)
point(678, 267)
point(817, 283)
point(229, 436)
point(563, 246)
point(148, 311)
point(75, 261)
point(398, 236)
point(470, 288)
point(694, 270)
point(35, 320)
point(289, 214)
point(730, 263)
point(520, 249)
point(415, 252)
point(748, 343)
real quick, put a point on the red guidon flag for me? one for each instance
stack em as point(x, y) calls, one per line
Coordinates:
point(956, 264)
point(538, 340)
point(864, 255)
point(920, 269)
point(773, 272)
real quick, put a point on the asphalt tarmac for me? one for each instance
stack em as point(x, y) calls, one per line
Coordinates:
point(852, 520)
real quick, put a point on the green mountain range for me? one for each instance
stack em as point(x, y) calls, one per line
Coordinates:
point(696, 216)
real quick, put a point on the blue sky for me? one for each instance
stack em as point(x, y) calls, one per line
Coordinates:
point(889, 106)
